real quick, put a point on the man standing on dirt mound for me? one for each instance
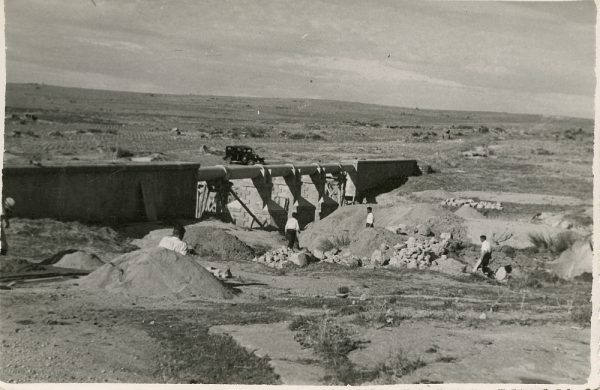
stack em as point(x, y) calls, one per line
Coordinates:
point(7, 207)
point(485, 257)
point(175, 241)
point(370, 220)
point(292, 228)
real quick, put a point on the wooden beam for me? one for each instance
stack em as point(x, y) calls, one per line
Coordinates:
point(246, 208)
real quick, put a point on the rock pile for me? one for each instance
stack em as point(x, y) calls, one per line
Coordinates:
point(219, 273)
point(336, 256)
point(282, 257)
point(414, 253)
point(454, 202)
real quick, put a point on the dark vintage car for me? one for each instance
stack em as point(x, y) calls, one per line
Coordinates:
point(240, 154)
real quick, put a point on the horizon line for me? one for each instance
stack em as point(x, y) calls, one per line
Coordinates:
point(294, 98)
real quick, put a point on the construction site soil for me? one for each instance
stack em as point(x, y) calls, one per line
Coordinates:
point(149, 315)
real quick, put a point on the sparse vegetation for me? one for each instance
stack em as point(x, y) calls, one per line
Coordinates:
point(396, 366)
point(582, 314)
point(553, 244)
point(535, 279)
point(338, 241)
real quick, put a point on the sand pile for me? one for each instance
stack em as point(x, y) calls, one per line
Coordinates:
point(208, 241)
point(156, 272)
point(468, 212)
point(152, 239)
point(80, 260)
point(573, 262)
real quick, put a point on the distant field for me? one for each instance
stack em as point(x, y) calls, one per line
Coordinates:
point(530, 153)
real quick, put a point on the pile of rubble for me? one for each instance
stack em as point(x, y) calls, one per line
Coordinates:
point(282, 257)
point(454, 202)
point(418, 253)
point(220, 273)
point(335, 256)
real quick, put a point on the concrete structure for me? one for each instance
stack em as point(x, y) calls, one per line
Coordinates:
point(250, 196)
point(103, 193)
point(266, 195)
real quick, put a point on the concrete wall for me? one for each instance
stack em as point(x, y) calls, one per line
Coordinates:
point(371, 175)
point(103, 193)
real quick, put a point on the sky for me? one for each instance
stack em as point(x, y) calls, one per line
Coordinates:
point(531, 57)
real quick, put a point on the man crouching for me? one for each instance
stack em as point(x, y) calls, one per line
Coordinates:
point(175, 241)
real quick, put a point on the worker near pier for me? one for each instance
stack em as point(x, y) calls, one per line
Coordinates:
point(292, 229)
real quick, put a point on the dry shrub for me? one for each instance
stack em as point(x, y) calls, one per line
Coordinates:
point(397, 366)
point(582, 315)
point(553, 244)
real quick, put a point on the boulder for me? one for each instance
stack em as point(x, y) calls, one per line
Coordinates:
point(449, 266)
point(377, 257)
point(352, 262)
point(300, 259)
point(446, 236)
point(566, 225)
point(424, 230)
point(319, 254)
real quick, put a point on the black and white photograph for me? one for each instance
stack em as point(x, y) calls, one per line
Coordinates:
point(298, 192)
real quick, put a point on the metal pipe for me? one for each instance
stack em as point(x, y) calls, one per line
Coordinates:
point(307, 169)
point(280, 170)
point(243, 172)
point(212, 173)
point(331, 168)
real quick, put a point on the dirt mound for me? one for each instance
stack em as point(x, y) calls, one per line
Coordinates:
point(350, 221)
point(80, 260)
point(468, 212)
point(575, 261)
point(12, 265)
point(40, 238)
point(208, 241)
point(156, 272)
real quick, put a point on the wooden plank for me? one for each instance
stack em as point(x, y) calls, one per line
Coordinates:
point(148, 193)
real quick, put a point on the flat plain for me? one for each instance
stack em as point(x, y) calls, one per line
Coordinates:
point(291, 326)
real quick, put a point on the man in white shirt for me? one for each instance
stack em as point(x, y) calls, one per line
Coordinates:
point(292, 228)
point(485, 257)
point(369, 217)
point(7, 207)
point(175, 241)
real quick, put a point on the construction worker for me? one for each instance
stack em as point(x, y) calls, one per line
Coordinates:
point(370, 217)
point(175, 241)
point(485, 257)
point(7, 207)
point(292, 229)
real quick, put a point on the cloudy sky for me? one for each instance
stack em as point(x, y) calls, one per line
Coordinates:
point(496, 56)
